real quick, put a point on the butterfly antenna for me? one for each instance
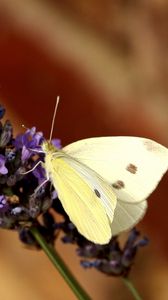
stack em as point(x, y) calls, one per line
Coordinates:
point(53, 119)
point(23, 126)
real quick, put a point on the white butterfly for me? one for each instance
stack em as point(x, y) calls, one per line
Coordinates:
point(103, 182)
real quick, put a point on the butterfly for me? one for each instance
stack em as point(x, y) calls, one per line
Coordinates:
point(103, 182)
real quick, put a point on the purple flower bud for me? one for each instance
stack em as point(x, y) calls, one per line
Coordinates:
point(56, 143)
point(134, 234)
point(54, 195)
point(89, 250)
point(28, 141)
point(10, 154)
point(141, 243)
point(25, 153)
point(90, 264)
point(3, 204)
point(71, 226)
point(112, 267)
point(67, 239)
point(128, 256)
point(39, 173)
point(2, 111)
point(17, 210)
point(86, 264)
point(6, 134)
point(11, 180)
point(26, 237)
point(3, 169)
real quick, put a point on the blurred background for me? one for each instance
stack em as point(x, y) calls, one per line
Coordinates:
point(108, 62)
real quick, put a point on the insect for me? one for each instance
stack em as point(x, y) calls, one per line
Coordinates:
point(103, 182)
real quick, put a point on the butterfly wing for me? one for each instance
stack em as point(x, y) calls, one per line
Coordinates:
point(132, 165)
point(127, 215)
point(88, 200)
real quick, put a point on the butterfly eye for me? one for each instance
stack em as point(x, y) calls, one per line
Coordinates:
point(119, 184)
point(132, 168)
point(97, 193)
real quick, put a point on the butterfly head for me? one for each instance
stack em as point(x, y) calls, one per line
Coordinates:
point(48, 147)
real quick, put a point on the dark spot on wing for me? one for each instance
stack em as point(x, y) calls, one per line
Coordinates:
point(152, 146)
point(131, 168)
point(148, 145)
point(119, 184)
point(97, 193)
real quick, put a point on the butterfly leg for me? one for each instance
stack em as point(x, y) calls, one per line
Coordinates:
point(40, 186)
point(38, 163)
point(37, 151)
point(43, 183)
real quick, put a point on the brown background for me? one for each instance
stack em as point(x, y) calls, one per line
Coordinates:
point(108, 62)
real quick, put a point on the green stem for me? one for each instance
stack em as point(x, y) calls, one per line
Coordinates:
point(60, 265)
point(65, 272)
point(132, 289)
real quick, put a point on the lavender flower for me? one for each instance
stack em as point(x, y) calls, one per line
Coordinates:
point(28, 141)
point(17, 189)
point(20, 205)
point(6, 134)
point(2, 111)
point(39, 173)
point(3, 169)
point(111, 259)
point(3, 204)
point(56, 143)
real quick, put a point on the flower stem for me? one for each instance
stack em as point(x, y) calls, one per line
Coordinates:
point(132, 289)
point(60, 265)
